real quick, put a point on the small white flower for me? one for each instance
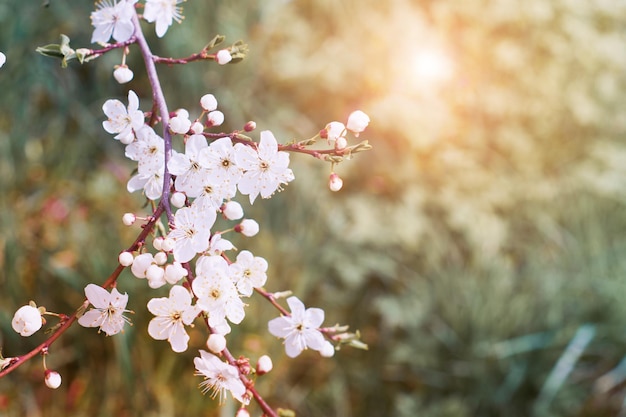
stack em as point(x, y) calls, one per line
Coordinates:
point(219, 377)
point(123, 120)
point(163, 12)
point(328, 350)
point(3, 59)
point(128, 219)
point(357, 122)
point(249, 272)
point(109, 310)
point(27, 320)
point(218, 244)
point(191, 232)
point(52, 379)
point(123, 74)
point(216, 291)
point(187, 166)
point(155, 276)
point(266, 169)
point(172, 315)
point(300, 330)
point(223, 57)
point(113, 19)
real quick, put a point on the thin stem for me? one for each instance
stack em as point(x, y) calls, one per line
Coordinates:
point(159, 99)
point(69, 320)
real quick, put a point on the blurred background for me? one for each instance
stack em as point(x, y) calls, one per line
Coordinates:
point(479, 247)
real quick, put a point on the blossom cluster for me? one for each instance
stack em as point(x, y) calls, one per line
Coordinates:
point(193, 176)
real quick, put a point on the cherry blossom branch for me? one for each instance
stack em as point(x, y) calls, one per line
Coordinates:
point(272, 299)
point(200, 56)
point(159, 98)
point(67, 321)
point(95, 53)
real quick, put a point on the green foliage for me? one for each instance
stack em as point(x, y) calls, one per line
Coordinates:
point(470, 247)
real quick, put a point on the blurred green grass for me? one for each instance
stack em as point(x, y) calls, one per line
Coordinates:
point(470, 247)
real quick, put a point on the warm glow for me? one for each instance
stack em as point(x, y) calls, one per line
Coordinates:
point(432, 66)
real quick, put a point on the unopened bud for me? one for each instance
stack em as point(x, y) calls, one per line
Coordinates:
point(197, 128)
point(216, 342)
point(178, 199)
point(335, 182)
point(160, 258)
point(208, 102)
point(3, 59)
point(264, 365)
point(156, 276)
point(168, 244)
point(157, 242)
point(215, 118)
point(242, 412)
point(247, 227)
point(357, 122)
point(123, 74)
point(128, 219)
point(232, 210)
point(126, 258)
point(341, 143)
point(53, 379)
point(223, 57)
point(250, 126)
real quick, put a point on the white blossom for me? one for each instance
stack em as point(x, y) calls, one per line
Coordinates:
point(208, 102)
point(191, 232)
point(52, 379)
point(219, 377)
point(249, 272)
point(163, 12)
point(216, 291)
point(248, 227)
point(113, 18)
point(300, 330)
point(187, 166)
point(123, 74)
point(109, 310)
point(123, 120)
point(265, 169)
point(3, 59)
point(223, 57)
point(172, 315)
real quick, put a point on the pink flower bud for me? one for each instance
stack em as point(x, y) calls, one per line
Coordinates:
point(250, 126)
point(357, 122)
point(52, 379)
point(223, 57)
point(264, 365)
point(335, 182)
point(123, 74)
point(126, 258)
